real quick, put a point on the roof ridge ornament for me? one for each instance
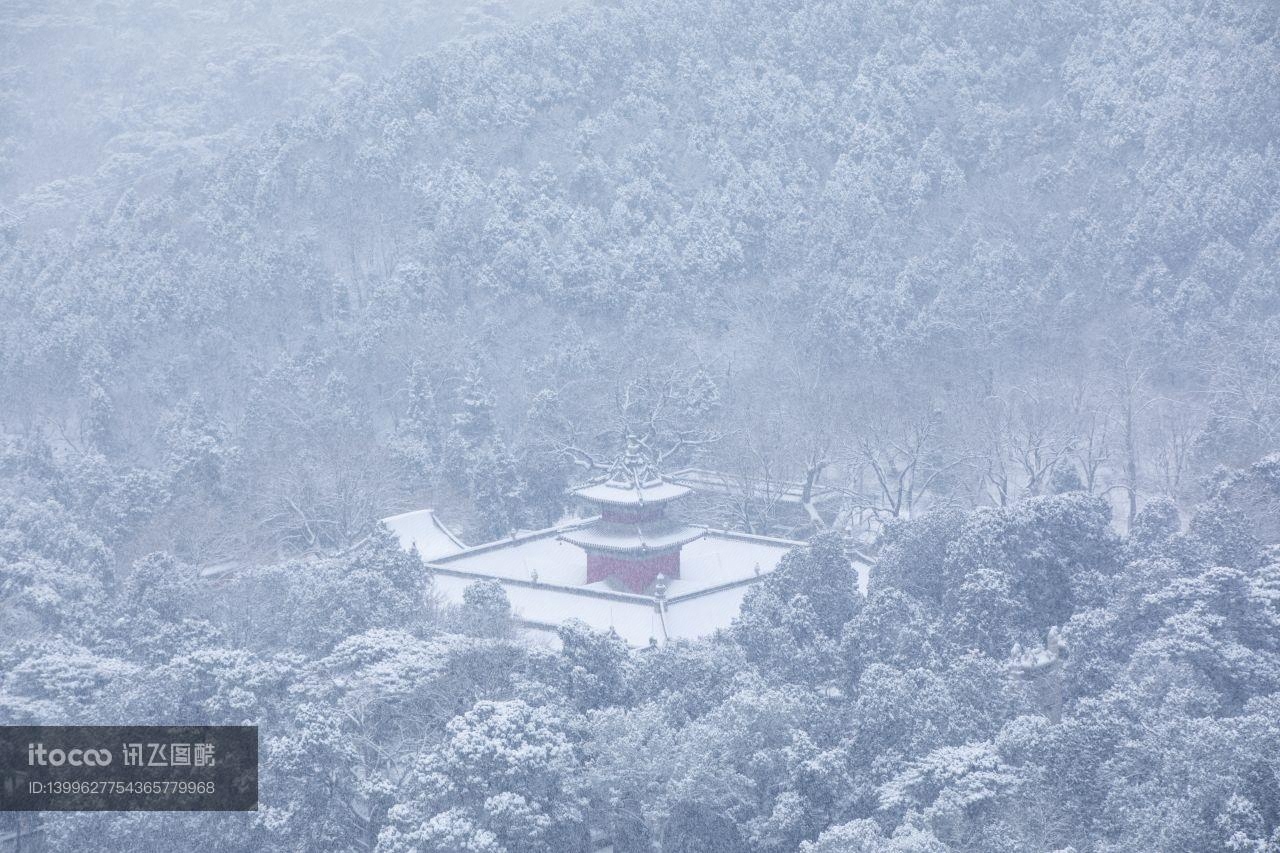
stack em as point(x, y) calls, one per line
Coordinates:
point(634, 467)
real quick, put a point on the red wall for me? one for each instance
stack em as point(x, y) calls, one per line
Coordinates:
point(636, 574)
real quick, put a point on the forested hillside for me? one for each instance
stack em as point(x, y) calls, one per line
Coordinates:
point(100, 95)
point(1003, 277)
point(960, 242)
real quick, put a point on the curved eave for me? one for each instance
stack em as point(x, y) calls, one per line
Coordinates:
point(590, 540)
point(603, 493)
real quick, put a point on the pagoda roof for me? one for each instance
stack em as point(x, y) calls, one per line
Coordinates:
point(619, 495)
point(632, 481)
point(632, 538)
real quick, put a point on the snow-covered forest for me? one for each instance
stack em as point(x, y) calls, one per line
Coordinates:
point(999, 280)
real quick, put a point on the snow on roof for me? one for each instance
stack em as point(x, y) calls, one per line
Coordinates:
point(632, 480)
point(653, 536)
point(423, 530)
point(545, 580)
point(617, 494)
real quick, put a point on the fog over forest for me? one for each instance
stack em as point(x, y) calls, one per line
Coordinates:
point(970, 308)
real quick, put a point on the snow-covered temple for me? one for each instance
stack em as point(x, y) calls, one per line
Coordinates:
point(632, 542)
point(631, 566)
